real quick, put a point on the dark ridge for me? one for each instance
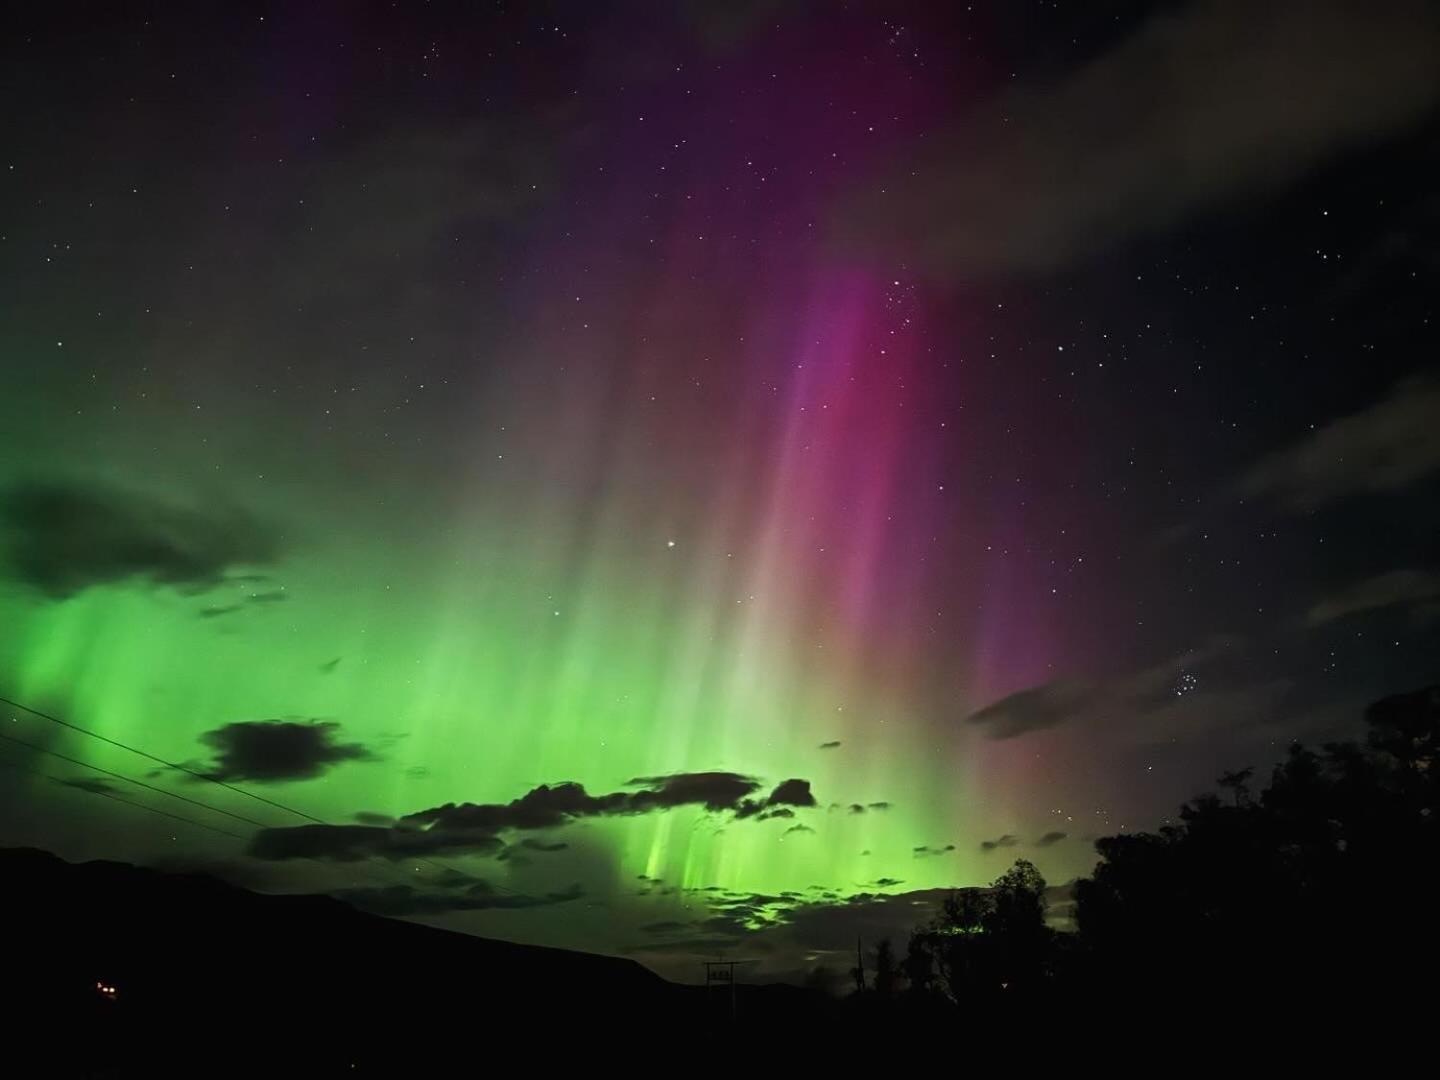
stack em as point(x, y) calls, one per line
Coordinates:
point(210, 972)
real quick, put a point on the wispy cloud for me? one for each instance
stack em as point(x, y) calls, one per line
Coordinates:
point(1413, 589)
point(1204, 104)
point(1384, 448)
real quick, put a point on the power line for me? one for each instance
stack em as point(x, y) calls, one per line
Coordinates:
point(389, 863)
point(162, 761)
point(132, 780)
point(128, 802)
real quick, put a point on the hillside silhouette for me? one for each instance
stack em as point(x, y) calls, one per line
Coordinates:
point(114, 969)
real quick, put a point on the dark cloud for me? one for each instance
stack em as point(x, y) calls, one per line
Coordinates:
point(329, 666)
point(798, 828)
point(716, 791)
point(886, 882)
point(778, 812)
point(476, 827)
point(92, 784)
point(1051, 838)
point(217, 612)
point(446, 877)
point(999, 842)
point(532, 844)
point(365, 817)
point(1384, 448)
point(268, 751)
point(1166, 699)
point(876, 807)
point(550, 805)
point(275, 596)
point(1034, 709)
point(544, 807)
point(792, 793)
point(1414, 589)
point(63, 538)
point(351, 843)
point(400, 900)
point(787, 793)
point(830, 745)
point(924, 851)
point(1204, 104)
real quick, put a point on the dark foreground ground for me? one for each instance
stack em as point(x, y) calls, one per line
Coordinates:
point(114, 970)
point(110, 970)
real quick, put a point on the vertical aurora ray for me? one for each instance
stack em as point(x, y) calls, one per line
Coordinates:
point(682, 528)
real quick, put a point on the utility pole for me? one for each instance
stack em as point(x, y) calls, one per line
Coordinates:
point(718, 973)
point(859, 966)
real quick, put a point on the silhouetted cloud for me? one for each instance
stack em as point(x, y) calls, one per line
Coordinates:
point(791, 793)
point(1203, 104)
point(62, 538)
point(351, 843)
point(366, 817)
point(399, 900)
point(715, 791)
point(532, 844)
point(275, 596)
point(860, 808)
point(269, 751)
point(830, 745)
point(476, 827)
point(546, 806)
point(1383, 448)
point(329, 666)
point(787, 793)
point(550, 805)
point(1167, 696)
point(1051, 838)
point(1399, 588)
point(887, 882)
point(924, 851)
point(798, 828)
point(93, 784)
point(778, 812)
point(1034, 709)
point(999, 842)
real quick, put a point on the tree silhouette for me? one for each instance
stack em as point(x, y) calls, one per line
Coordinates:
point(886, 975)
point(919, 963)
point(1238, 783)
point(1311, 892)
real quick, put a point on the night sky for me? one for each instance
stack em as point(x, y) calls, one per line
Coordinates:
point(689, 478)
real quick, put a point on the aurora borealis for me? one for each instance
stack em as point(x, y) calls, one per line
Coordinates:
point(539, 398)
